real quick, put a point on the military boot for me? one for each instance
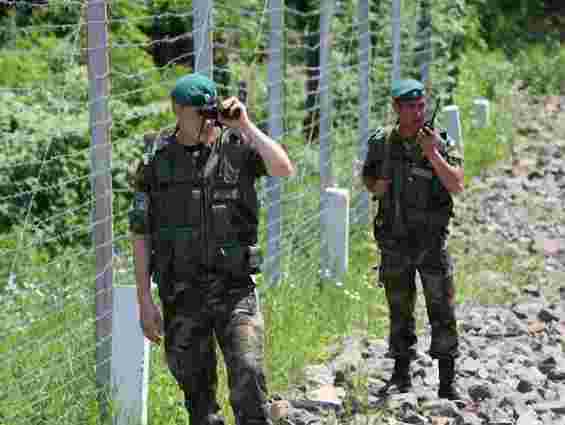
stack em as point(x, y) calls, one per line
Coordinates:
point(400, 379)
point(446, 379)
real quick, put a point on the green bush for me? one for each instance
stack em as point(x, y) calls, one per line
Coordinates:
point(18, 70)
point(542, 67)
point(46, 165)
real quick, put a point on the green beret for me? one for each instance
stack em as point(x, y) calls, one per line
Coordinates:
point(407, 89)
point(194, 90)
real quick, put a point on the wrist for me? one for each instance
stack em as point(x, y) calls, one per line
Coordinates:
point(144, 296)
point(432, 154)
point(245, 125)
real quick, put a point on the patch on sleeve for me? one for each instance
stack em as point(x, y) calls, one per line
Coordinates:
point(377, 136)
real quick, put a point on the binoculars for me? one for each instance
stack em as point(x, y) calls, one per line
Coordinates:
point(215, 110)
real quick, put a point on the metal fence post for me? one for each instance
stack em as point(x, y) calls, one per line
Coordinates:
point(362, 213)
point(424, 45)
point(337, 231)
point(202, 35)
point(101, 181)
point(396, 39)
point(275, 78)
point(327, 7)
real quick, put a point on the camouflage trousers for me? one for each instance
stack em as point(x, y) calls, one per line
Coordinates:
point(399, 262)
point(194, 319)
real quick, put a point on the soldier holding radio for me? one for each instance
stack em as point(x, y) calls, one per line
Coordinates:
point(413, 169)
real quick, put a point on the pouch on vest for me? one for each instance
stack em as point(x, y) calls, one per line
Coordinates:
point(418, 187)
point(187, 255)
point(393, 264)
point(176, 197)
point(222, 213)
point(177, 256)
point(238, 260)
point(221, 222)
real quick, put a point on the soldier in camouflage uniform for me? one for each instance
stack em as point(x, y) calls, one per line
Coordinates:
point(413, 170)
point(194, 231)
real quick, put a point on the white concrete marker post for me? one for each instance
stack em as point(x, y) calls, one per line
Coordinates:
point(453, 123)
point(337, 231)
point(481, 116)
point(130, 360)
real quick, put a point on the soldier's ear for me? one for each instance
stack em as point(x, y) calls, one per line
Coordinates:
point(395, 105)
point(134, 175)
point(176, 108)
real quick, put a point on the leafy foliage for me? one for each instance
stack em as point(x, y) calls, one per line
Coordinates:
point(46, 165)
point(542, 67)
point(504, 23)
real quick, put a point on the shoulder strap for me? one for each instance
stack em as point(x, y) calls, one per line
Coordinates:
point(153, 143)
point(386, 173)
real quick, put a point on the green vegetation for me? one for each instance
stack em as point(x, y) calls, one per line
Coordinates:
point(47, 266)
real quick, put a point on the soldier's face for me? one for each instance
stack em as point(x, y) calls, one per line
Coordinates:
point(190, 121)
point(411, 113)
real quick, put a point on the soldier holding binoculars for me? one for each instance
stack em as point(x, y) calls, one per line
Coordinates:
point(194, 232)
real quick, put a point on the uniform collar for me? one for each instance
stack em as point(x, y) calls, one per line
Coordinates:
point(398, 138)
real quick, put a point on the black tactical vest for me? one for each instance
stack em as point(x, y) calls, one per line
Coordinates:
point(200, 226)
point(424, 206)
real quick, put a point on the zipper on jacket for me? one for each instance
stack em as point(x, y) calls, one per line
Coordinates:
point(204, 235)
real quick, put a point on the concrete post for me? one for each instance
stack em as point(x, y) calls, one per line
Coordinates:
point(481, 113)
point(337, 231)
point(453, 123)
point(130, 360)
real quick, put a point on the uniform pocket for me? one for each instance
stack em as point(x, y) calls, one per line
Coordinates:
point(222, 226)
point(238, 260)
point(193, 205)
point(418, 187)
point(185, 251)
point(393, 264)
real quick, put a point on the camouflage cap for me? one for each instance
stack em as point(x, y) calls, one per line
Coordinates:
point(194, 90)
point(407, 89)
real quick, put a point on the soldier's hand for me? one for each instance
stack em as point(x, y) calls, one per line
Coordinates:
point(428, 140)
point(382, 185)
point(151, 321)
point(235, 107)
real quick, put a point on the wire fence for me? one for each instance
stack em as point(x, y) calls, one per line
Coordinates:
point(317, 79)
